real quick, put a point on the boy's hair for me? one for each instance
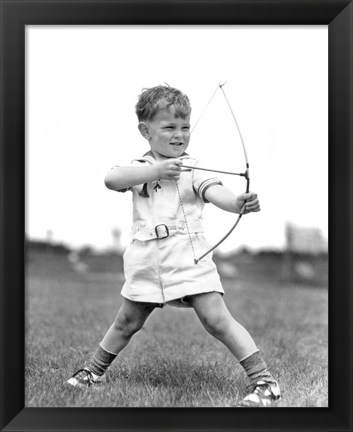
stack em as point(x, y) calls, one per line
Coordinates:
point(154, 99)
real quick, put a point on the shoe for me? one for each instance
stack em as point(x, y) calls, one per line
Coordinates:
point(84, 378)
point(262, 394)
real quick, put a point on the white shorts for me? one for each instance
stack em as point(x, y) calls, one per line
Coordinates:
point(163, 270)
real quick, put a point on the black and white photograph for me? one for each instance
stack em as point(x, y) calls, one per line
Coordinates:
point(130, 186)
point(176, 208)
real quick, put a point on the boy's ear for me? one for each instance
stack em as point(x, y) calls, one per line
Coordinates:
point(144, 130)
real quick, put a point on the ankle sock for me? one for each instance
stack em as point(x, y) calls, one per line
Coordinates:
point(256, 368)
point(100, 361)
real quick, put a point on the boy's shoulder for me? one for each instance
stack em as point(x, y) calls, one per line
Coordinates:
point(146, 158)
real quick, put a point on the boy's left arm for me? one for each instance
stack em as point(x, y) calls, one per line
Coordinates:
point(225, 199)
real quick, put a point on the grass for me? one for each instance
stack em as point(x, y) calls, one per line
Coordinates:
point(172, 361)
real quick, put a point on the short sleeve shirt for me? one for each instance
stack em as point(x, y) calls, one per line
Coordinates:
point(166, 201)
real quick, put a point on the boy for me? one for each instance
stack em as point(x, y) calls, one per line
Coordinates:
point(159, 263)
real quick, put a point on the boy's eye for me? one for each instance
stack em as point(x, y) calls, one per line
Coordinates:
point(171, 127)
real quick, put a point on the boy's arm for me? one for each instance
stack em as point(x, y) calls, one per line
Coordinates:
point(119, 178)
point(125, 177)
point(225, 199)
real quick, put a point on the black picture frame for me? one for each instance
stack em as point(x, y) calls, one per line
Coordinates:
point(15, 15)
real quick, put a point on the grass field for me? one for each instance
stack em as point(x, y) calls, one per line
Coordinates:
point(172, 361)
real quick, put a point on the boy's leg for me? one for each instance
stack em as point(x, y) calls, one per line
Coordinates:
point(219, 322)
point(130, 319)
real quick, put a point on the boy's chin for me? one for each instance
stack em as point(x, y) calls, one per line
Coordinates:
point(161, 157)
point(168, 155)
point(177, 151)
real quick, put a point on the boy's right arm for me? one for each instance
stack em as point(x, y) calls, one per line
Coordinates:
point(127, 176)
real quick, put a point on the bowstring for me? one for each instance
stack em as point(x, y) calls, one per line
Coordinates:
point(246, 175)
point(186, 222)
point(236, 123)
point(205, 109)
point(176, 183)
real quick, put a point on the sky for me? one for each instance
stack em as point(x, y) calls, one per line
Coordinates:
point(82, 84)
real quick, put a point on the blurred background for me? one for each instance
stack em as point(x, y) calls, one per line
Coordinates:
point(82, 86)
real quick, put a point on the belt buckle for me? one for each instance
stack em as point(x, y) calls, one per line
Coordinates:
point(164, 234)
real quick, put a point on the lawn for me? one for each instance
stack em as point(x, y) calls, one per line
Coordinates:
point(172, 361)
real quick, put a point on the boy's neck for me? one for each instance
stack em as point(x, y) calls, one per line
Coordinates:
point(161, 158)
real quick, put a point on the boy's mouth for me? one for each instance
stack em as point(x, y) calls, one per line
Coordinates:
point(177, 144)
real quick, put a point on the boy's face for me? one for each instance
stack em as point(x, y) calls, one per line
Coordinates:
point(167, 134)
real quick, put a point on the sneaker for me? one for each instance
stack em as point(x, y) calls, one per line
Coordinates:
point(85, 378)
point(262, 394)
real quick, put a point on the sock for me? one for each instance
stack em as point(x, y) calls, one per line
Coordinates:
point(100, 361)
point(256, 368)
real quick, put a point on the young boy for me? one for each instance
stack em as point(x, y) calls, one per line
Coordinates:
point(167, 235)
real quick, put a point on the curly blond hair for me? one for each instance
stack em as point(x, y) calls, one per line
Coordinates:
point(154, 99)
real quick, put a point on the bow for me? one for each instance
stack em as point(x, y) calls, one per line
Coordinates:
point(244, 174)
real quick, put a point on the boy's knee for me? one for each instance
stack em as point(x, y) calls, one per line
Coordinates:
point(215, 325)
point(127, 325)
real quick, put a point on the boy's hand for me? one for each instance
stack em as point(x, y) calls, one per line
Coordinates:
point(252, 204)
point(170, 169)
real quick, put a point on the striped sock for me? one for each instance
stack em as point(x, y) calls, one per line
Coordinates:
point(100, 361)
point(256, 368)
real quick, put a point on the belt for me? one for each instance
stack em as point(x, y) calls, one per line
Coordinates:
point(161, 231)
